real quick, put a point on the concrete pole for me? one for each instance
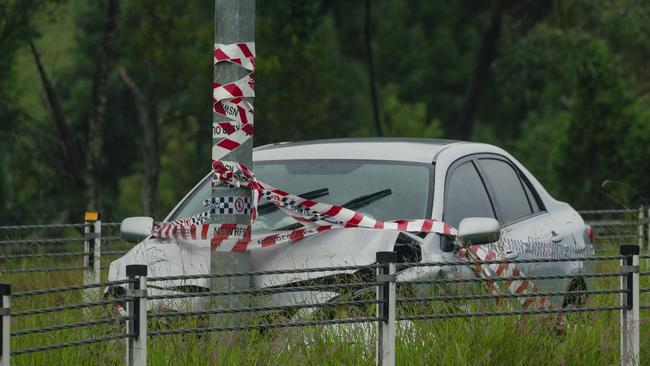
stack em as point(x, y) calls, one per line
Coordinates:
point(234, 23)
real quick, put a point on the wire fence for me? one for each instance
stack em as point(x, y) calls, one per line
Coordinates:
point(61, 248)
point(381, 294)
point(613, 225)
point(83, 247)
point(94, 241)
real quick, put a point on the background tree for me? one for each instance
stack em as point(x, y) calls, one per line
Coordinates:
point(563, 85)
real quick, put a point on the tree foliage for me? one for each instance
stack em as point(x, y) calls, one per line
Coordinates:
point(566, 90)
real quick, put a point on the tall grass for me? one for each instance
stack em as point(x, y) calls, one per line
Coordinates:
point(587, 339)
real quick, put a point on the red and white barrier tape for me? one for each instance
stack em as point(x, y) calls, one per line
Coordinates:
point(229, 101)
point(316, 216)
point(487, 253)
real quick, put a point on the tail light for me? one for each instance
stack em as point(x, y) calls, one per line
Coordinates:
point(590, 233)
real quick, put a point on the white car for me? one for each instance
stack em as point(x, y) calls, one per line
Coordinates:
point(397, 178)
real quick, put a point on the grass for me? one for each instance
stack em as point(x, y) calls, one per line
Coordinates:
point(588, 339)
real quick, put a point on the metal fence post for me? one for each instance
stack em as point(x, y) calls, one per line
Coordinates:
point(647, 233)
point(641, 225)
point(630, 304)
point(92, 254)
point(136, 306)
point(386, 294)
point(5, 324)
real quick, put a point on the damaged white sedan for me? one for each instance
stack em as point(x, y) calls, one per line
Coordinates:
point(478, 188)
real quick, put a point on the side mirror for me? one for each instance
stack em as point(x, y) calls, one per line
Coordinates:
point(478, 230)
point(136, 229)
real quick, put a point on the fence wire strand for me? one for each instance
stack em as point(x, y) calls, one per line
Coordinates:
point(68, 307)
point(507, 296)
point(42, 269)
point(264, 326)
point(510, 261)
point(512, 278)
point(68, 288)
point(261, 273)
point(69, 344)
point(88, 323)
point(44, 226)
point(262, 309)
point(508, 313)
point(268, 290)
point(44, 255)
point(42, 241)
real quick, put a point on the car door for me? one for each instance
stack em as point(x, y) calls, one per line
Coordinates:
point(528, 230)
point(466, 196)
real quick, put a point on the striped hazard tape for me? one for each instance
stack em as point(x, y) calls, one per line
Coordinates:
point(488, 253)
point(316, 217)
point(230, 101)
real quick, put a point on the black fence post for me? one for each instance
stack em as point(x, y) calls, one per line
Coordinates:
point(386, 295)
point(136, 306)
point(5, 325)
point(630, 304)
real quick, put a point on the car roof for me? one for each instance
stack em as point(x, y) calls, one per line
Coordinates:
point(422, 150)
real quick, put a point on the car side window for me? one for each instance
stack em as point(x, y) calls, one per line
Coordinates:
point(507, 189)
point(466, 195)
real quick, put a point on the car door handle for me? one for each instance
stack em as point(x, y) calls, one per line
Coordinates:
point(511, 255)
point(556, 238)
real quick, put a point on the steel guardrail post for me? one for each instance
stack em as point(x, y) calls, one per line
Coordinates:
point(386, 297)
point(97, 253)
point(630, 303)
point(92, 230)
point(647, 233)
point(5, 324)
point(136, 307)
point(641, 225)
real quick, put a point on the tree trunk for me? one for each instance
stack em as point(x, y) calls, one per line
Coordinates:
point(480, 72)
point(71, 149)
point(94, 159)
point(150, 147)
point(371, 70)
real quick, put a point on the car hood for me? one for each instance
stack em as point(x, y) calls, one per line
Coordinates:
point(339, 247)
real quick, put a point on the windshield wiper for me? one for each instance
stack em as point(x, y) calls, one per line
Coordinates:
point(353, 204)
point(269, 207)
point(362, 201)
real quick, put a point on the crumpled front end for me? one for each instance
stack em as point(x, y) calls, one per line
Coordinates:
point(168, 257)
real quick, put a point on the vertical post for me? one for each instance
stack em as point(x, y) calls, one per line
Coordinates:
point(386, 295)
point(92, 230)
point(97, 254)
point(641, 225)
point(234, 23)
point(647, 233)
point(136, 307)
point(630, 304)
point(5, 324)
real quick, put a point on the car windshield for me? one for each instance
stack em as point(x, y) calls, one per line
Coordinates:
point(384, 190)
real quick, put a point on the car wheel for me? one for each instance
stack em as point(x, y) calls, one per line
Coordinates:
point(567, 321)
point(576, 300)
